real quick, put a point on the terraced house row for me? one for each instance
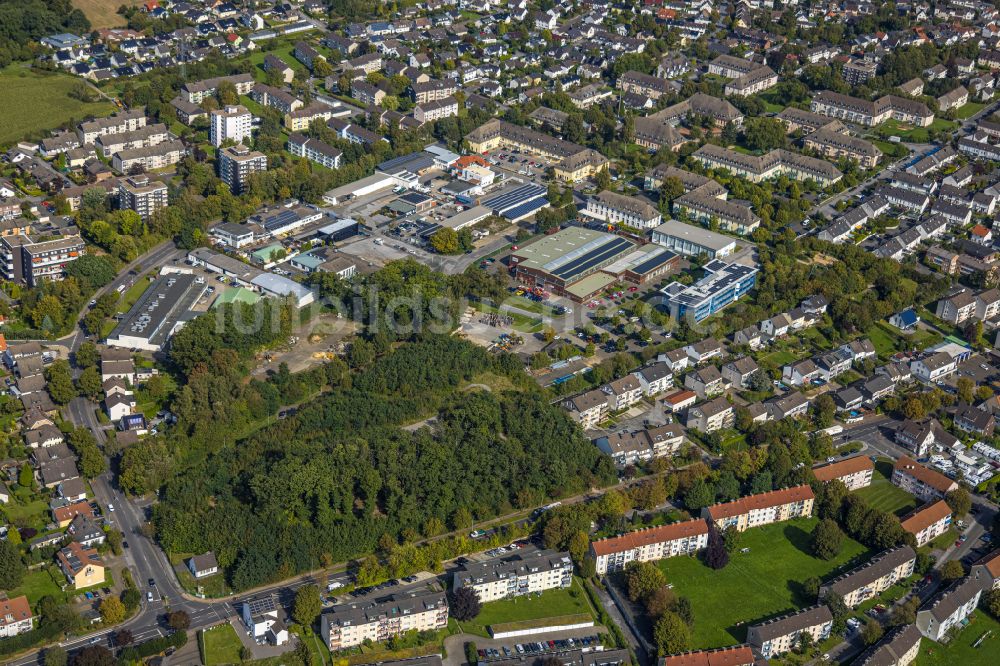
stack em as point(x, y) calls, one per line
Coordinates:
point(778, 162)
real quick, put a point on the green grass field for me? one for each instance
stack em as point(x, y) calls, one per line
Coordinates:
point(960, 650)
point(881, 494)
point(551, 603)
point(34, 103)
point(969, 110)
point(757, 585)
point(222, 645)
point(914, 134)
point(40, 583)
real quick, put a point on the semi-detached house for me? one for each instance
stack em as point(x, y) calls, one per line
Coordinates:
point(649, 544)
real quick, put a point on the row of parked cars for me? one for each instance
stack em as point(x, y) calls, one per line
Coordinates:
point(539, 647)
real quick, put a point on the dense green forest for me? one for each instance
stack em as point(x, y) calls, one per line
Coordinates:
point(22, 21)
point(327, 484)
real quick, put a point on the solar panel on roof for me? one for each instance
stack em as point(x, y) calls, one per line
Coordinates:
point(429, 231)
point(502, 202)
point(282, 219)
point(653, 262)
point(525, 208)
point(580, 265)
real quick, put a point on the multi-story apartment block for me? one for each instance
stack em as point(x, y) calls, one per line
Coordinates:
point(933, 367)
point(283, 101)
point(197, 91)
point(780, 635)
point(705, 208)
point(900, 647)
point(623, 392)
point(857, 72)
point(987, 569)
point(712, 415)
point(148, 158)
point(748, 77)
point(142, 195)
point(654, 378)
point(493, 580)
point(855, 472)
point(237, 163)
point(928, 522)
point(436, 109)
point(617, 208)
point(301, 119)
point(47, 260)
point(834, 145)
point(651, 543)
point(149, 135)
point(872, 578)
point(629, 448)
point(736, 655)
point(869, 114)
point(957, 308)
point(922, 482)
point(778, 162)
point(643, 84)
point(950, 608)
point(126, 121)
point(15, 616)
point(232, 122)
point(350, 625)
point(315, 150)
point(588, 409)
point(762, 509)
point(432, 90)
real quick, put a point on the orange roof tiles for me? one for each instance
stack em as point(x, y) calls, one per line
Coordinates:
point(919, 520)
point(17, 608)
point(760, 501)
point(650, 535)
point(739, 655)
point(840, 468)
point(926, 475)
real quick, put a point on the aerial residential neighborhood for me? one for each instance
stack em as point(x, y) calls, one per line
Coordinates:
point(502, 332)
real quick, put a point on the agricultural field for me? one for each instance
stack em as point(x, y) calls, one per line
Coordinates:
point(767, 580)
point(103, 13)
point(34, 103)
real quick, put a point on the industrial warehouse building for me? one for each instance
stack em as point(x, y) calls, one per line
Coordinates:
point(570, 261)
point(161, 310)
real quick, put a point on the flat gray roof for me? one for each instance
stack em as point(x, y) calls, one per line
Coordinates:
point(165, 302)
point(693, 234)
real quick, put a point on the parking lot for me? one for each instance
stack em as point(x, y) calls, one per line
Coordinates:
point(541, 648)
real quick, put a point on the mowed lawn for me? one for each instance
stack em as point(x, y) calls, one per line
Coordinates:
point(35, 102)
point(881, 494)
point(222, 645)
point(549, 604)
point(757, 585)
point(960, 650)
